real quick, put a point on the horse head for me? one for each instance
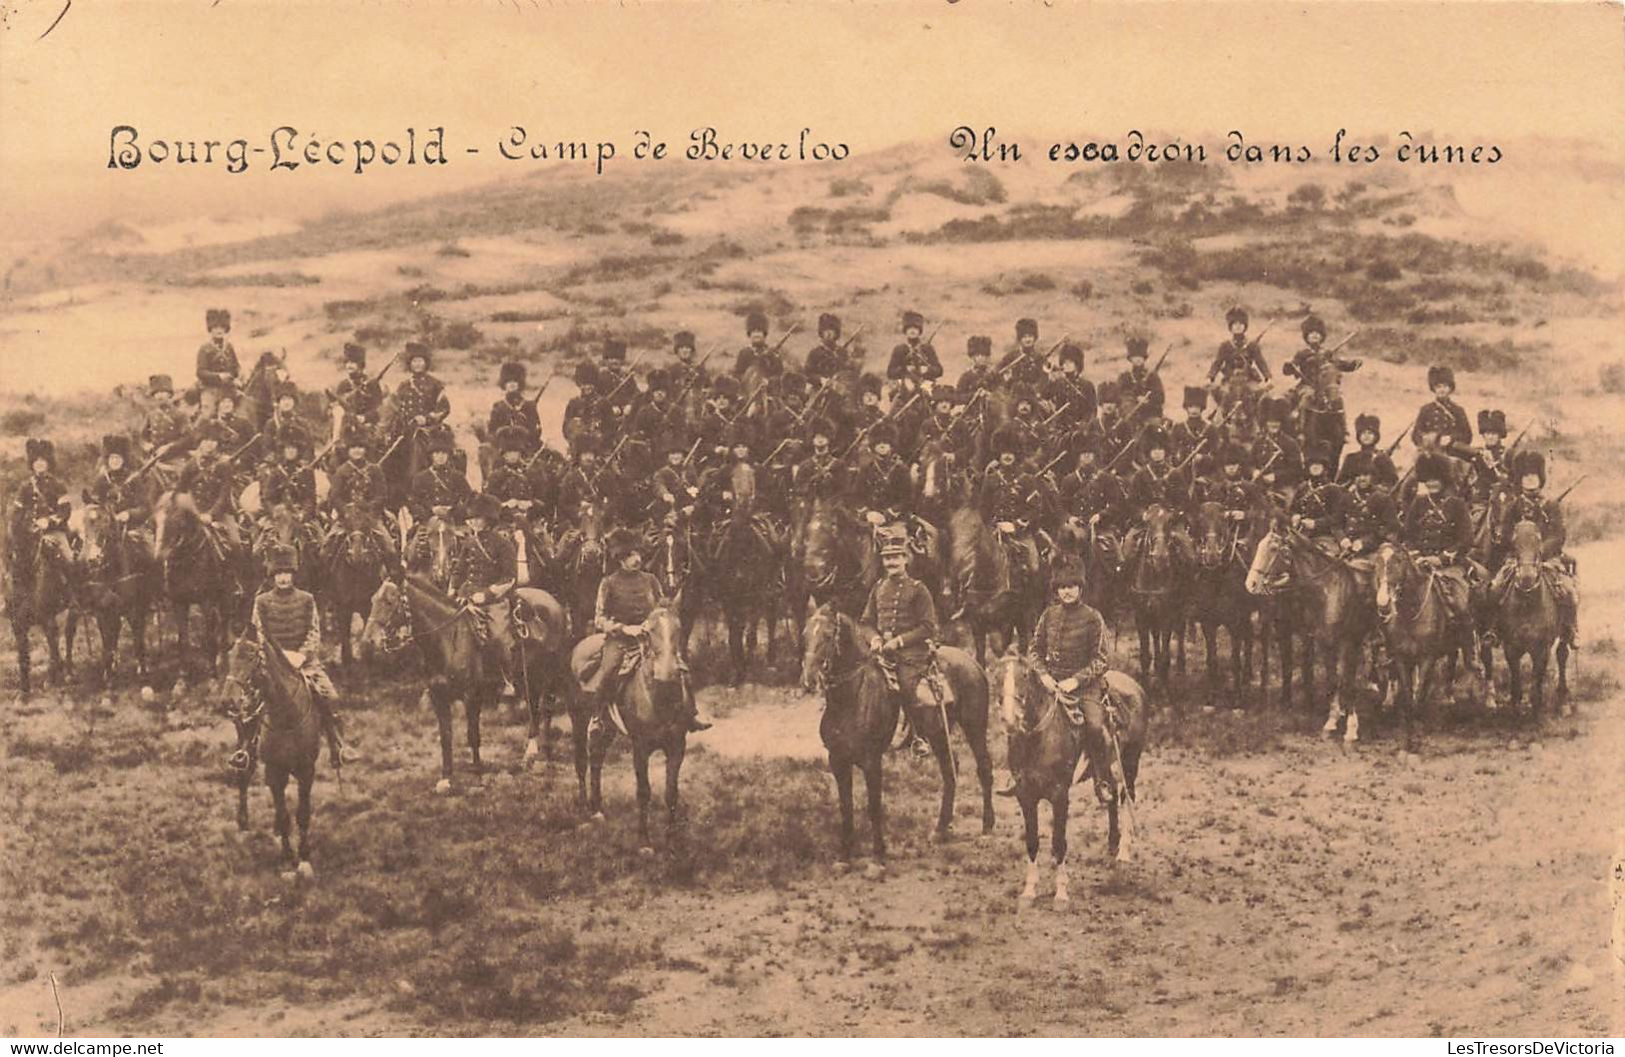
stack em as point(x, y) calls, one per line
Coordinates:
point(1393, 571)
point(1211, 526)
point(1526, 553)
point(1267, 570)
point(1012, 678)
point(663, 648)
point(389, 621)
point(98, 538)
point(820, 647)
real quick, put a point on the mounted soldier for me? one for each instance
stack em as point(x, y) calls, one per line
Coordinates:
point(980, 375)
point(1492, 464)
point(513, 409)
point(1276, 457)
point(1139, 389)
point(1196, 431)
point(1441, 424)
point(1370, 517)
point(217, 366)
point(207, 485)
point(510, 484)
point(904, 618)
point(689, 379)
point(287, 618)
point(613, 371)
point(1367, 432)
point(1024, 364)
point(1070, 395)
point(1527, 503)
point(676, 485)
point(868, 412)
point(1229, 484)
point(1009, 500)
point(1158, 483)
point(1308, 363)
point(1319, 506)
point(1116, 432)
point(821, 475)
point(42, 506)
point(361, 397)
point(1238, 360)
point(237, 437)
point(1439, 527)
point(914, 362)
point(284, 426)
point(1024, 422)
point(585, 480)
point(1322, 418)
point(165, 424)
point(756, 362)
point(658, 414)
point(288, 481)
point(483, 572)
point(439, 490)
point(114, 490)
point(716, 420)
point(828, 360)
point(1095, 497)
point(585, 411)
point(421, 405)
point(883, 492)
point(359, 491)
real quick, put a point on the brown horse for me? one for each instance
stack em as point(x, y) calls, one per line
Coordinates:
point(581, 556)
point(989, 596)
point(745, 576)
point(860, 718)
point(652, 709)
point(1157, 585)
point(117, 582)
point(1331, 608)
point(1096, 554)
point(1528, 621)
point(449, 639)
point(831, 550)
point(1054, 739)
point(198, 569)
point(278, 725)
point(540, 663)
point(354, 570)
point(1220, 598)
point(40, 595)
point(1416, 626)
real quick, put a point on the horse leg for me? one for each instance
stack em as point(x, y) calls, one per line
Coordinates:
point(1145, 649)
point(942, 748)
point(872, 771)
point(976, 733)
point(736, 647)
point(1210, 635)
point(675, 750)
point(181, 615)
point(1514, 659)
point(244, 776)
point(472, 707)
point(1029, 821)
point(640, 767)
point(277, 779)
point(107, 623)
point(1562, 672)
point(599, 748)
point(440, 697)
point(1344, 682)
point(1283, 655)
point(53, 651)
point(306, 778)
point(1057, 845)
point(578, 743)
point(842, 770)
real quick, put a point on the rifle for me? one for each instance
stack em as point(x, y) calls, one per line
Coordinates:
point(692, 448)
point(694, 376)
point(613, 452)
point(537, 399)
point(1213, 428)
point(1019, 358)
point(1333, 350)
point(628, 376)
point(1046, 469)
point(234, 455)
point(864, 432)
point(380, 375)
point(931, 335)
point(775, 451)
point(754, 393)
point(1565, 493)
point(807, 410)
point(157, 456)
point(793, 328)
point(1407, 432)
point(1521, 434)
point(847, 344)
point(1057, 414)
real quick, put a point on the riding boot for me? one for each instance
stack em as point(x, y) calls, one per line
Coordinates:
point(1569, 615)
point(1016, 752)
point(695, 723)
point(600, 713)
point(338, 752)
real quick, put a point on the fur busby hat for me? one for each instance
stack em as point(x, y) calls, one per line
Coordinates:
point(283, 559)
point(1008, 439)
point(1195, 397)
point(440, 440)
point(944, 394)
point(914, 320)
point(116, 444)
point(1273, 409)
point(793, 382)
point(296, 439)
point(1025, 328)
point(416, 350)
point(827, 322)
point(160, 383)
point(1106, 392)
point(1433, 466)
point(1154, 437)
point(1232, 455)
point(725, 385)
point(621, 542)
point(1492, 421)
point(357, 438)
point(1137, 345)
point(1022, 394)
point(212, 429)
point(511, 372)
point(1368, 424)
point(586, 374)
point(822, 427)
point(741, 434)
point(683, 339)
point(1439, 374)
point(486, 506)
point(1319, 453)
point(675, 440)
point(286, 390)
point(512, 438)
point(1529, 462)
point(883, 433)
point(38, 448)
point(216, 317)
point(586, 443)
point(354, 353)
point(1071, 353)
point(755, 321)
point(1358, 463)
point(1085, 442)
point(1313, 324)
point(1069, 573)
point(870, 383)
point(1234, 316)
point(659, 378)
point(615, 350)
point(978, 345)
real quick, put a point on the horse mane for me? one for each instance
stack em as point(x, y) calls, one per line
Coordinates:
point(970, 544)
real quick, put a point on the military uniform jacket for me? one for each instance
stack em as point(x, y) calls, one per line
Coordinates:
point(826, 361)
point(1434, 525)
point(768, 362)
point(237, 433)
point(1491, 474)
point(1547, 514)
point(289, 619)
point(1186, 436)
point(279, 430)
point(1324, 504)
point(918, 362)
point(1231, 493)
point(41, 497)
point(1020, 367)
point(483, 560)
point(1382, 468)
point(583, 414)
point(1245, 358)
point(672, 484)
point(884, 485)
point(293, 486)
point(359, 483)
point(1098, 493)
point(1141, 386)
point(1163, 486)
point(216, 364)
point(576, 487)
point(1447, 419)
point(1279, 456)
point(979, 378)
point(439, 486)
point(420, 394)
point(163, 425)
point(509, 412)
point(628, 597)
point(210, 485)
point(820, 477)
point(1005, 495)
point(1076, 395)
point(1068, 643)
point(363, 400)
point(1306, 364)
point(1370, 516)
point(653, 420)
point(900, 607)
point(687, 379)
point(119, 494)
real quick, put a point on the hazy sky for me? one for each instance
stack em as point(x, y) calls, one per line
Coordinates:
point(869, 74)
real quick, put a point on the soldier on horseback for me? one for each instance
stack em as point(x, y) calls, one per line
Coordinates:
point(1009, 500)
point(1319, 507)
point(40, 511)
point(1070, 395)
point(767, 363)
point(207, 484)
point(1196, 431)
point(676, 485)
point(1158, 483)
point(626, 598)
point(884, 493)
point(513, 409)
point(484, 571)
point(1068, 650)
point(237, 438)
point(1237, 358)
point(358, 487)
point(1367, 432)
point(217, 366)
point(585, 411)
point(913, 362)
point(1370, 517)
point(904, 617)
point(1441, 424)
point(361, 397)
point(287, 618)
point(421, 404)
point(1022, 365)
point(980, 375)
point(688, 378)
point(439, 490)
point(827, 359)
point(1439, 527)
point(1308, 362)
point(1139, 388)
point(283, 427)
point(1528, 504)
point(165, 423)
point(115, 491)
point(1276, 457)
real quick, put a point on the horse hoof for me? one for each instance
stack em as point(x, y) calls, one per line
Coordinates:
point(290, 876)
point(942, 836)
point(596, 817)
point(646, 851)
point(532, 751)
point(306, 871)
point(107, 701)
point(1062, 899)
point(148, 694)
point(443, 787)
point(875, 871)
point(841, 866)
point(1028, 895)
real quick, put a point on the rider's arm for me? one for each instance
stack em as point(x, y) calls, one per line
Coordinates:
point(313, 637)
point(600, 619)
point(923, 618)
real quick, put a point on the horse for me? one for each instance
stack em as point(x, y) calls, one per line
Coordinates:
point(258, 397)
point(830, 548)
point(440, 535)
point(117, 581)
point(745, 577)
point(354, 569)
point(278, 725)
point(1528, 621)
point(1220, 597)
point(1331, 610)
point(196, 571)
point(1157, 586)
point(989, 598)
point(861, 713)
point(1075, 541)
point(284, 527)
point(652, 709)
point(41, 591)
point(1054, 739)
point(450, 641)
point(582, 556)
point(1416, 626)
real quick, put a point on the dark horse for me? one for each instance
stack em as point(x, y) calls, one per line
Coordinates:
point(1056, 741)
point(1416, 626)
point(450, 642)
point(41, 591)
point(1332, 610)
point(860, 717)
point(117, 583)
point(746, 579)
point(1157, 583)
point(830, 547)
point(986, 586)
point(652, 709)
point(1528, 621)
point(278, 725)
point(581, 556)
point(354, 569)
point(197, 571)
point(1220, 598)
